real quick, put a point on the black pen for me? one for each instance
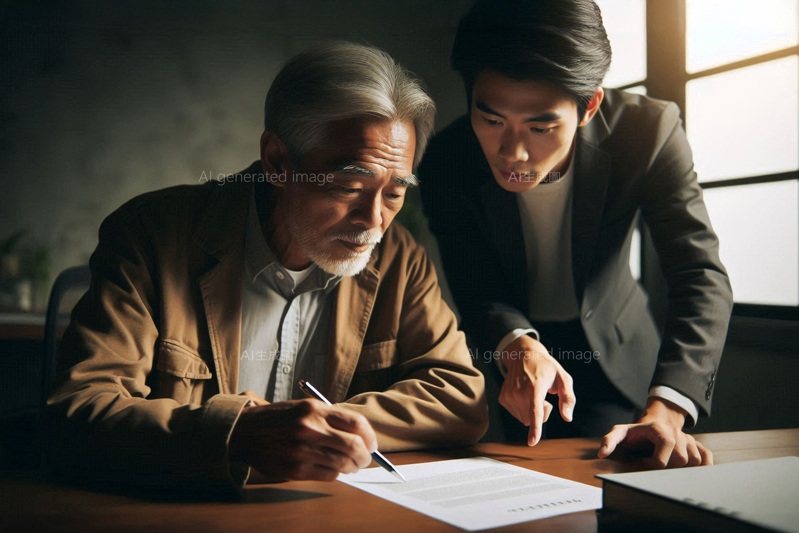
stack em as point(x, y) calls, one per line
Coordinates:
point(379, 458)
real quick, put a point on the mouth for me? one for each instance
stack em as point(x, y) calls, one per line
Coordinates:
point(356, 247)
point(518, 176)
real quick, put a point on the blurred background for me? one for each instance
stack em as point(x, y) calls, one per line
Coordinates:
point(102, 101)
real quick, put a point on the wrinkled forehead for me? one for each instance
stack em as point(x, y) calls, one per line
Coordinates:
point(378, 143)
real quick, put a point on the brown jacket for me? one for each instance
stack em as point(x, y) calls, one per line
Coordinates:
point(149, 364)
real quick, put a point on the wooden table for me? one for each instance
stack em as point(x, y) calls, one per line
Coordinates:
point(30, 505)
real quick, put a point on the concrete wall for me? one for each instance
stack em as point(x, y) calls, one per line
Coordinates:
point(102, 101)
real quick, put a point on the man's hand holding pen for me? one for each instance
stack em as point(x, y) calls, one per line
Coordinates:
point(301, 440)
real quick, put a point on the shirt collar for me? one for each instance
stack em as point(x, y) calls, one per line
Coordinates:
point(262, 262)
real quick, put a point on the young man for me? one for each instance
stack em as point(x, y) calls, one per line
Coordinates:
point(533, 197)
point(208, 303)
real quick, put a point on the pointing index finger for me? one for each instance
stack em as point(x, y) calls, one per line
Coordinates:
point(539, 398)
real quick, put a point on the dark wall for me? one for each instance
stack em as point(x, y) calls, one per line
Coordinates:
point(102, 101)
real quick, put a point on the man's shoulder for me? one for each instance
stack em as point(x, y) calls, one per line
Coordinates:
point(165, 207)
point(184, 194)
point(175, 219)
point(638, 127)
point(185, 202)
point(635, 113)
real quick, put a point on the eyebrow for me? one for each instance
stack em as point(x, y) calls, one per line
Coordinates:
point(549, 116)
point(406, 181)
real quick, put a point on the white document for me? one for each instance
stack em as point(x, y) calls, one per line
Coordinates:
point(477, 493)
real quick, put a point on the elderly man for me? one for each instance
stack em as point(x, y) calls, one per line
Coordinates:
point(208, 303)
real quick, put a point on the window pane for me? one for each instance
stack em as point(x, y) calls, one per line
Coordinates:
point(758, 228)
point(744, 122)
point(637, 89)
point(722, 31)
point(625, 23)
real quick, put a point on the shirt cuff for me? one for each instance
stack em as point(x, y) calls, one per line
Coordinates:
point(667, 393)
point(509, 338)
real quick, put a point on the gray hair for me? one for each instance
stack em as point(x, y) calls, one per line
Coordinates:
point(339, 81)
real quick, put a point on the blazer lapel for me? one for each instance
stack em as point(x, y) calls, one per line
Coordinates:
point(221, 235)
point(355, 298)
point(591, 175)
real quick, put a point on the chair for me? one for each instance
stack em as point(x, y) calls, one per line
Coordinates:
point(22, 430)
point(67, 289)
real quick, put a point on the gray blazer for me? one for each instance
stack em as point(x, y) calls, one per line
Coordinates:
point(632, 157)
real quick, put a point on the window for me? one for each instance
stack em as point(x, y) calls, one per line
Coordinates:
point(759, 234)
point(733, 68)
point(741, 80)
point(718, 32)
point(744, 122)
point(625, 24)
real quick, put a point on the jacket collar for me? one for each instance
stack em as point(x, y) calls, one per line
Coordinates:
point(221, 227)
point(596, 131)
point(220, 233)
point(592, 167)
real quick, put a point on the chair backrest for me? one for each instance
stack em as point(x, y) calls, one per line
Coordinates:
point(68, 288)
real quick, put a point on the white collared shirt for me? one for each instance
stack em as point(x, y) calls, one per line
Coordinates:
point(286, 320)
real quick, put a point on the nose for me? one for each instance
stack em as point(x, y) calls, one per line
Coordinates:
point(368, 212)
point(512, 147)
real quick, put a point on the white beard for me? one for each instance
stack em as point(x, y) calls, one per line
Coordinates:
point(338, 267)
point(317, 247)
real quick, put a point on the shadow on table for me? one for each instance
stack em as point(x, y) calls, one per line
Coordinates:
point(267, 494)
point(156, 493)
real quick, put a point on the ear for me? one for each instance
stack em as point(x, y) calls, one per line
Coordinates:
point(274, 156)
point(593, 106)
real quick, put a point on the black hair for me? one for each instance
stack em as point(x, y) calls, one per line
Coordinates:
point(560, 41)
